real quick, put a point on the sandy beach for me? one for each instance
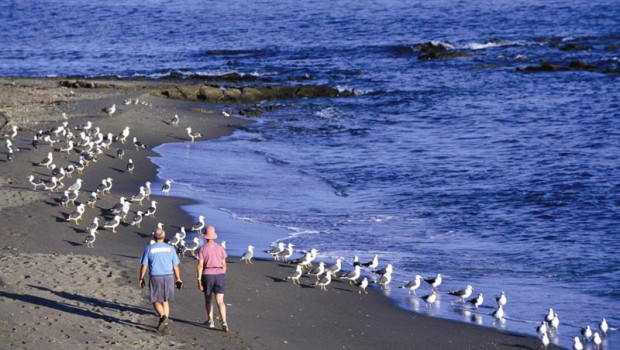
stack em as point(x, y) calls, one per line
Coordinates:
point(56, 293)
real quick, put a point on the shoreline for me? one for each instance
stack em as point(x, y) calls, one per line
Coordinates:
point(265, 310)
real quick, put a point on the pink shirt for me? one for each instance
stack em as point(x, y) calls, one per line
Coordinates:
point(212, 255)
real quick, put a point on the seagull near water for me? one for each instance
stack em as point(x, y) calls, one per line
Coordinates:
point(276, 250)
point(324, 282)
point(430, 298)
point(150, 211)
point(109, 110)
point(198, 226)
point(247, 256)
point(463, 293)
point(318, 271)
point(434, 281)
point(286, 254)
point(477, 301)
point(577, 344)
point(373, 263)
point(194, 135)
point(174, 121)
point(412, 286)
point(335, 268)
point(139, 197)
point(501, 300)
point(352, 276)
point(295, 275)
point(362, 286)
point(166, 187)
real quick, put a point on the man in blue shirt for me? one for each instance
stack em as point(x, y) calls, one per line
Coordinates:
point(162, 262)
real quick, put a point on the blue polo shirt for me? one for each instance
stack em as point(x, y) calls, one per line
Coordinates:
point(160, 258)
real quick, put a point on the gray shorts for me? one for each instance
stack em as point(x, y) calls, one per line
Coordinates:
point(214, 284)
point(161, 288)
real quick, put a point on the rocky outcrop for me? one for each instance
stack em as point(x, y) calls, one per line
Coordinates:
point(438, 51)
point(548, 67)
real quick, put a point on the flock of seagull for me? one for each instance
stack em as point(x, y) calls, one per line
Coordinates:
point(322, 275)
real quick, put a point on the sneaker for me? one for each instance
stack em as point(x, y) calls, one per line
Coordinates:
point(225, 327)
point(163, 324)
point(210, 324)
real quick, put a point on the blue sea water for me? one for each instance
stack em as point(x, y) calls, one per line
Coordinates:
point(501, 179)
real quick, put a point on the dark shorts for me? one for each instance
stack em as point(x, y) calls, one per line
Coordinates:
point(161, 288)
point(214, 284)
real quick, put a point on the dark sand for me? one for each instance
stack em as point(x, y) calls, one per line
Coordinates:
point(57, 294)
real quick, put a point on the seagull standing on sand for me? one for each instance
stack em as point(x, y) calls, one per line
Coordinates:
point(191, 135)
point(137, 219)
point(138, 197)
point(174, 121)
point(295, 275)
point(286, 254)
point(130, 166)
point(198, 226)
point(109, 110)
point(12, 133)
point(463, 293)
point(276, 250)
point(94, 225)
point(147, 190)
point(191, 247)
point(77, 214)
point(120, 153)
point(335, 268)
point(318, 271)
point(542, 328)
point(326, 280)
point(384, 280)
point(108, 187)
point(352, 276)
point(362, 286)
point(35, 182)
point(75, 186)
point(90, 239)
point(413, 285)
point(150, 211)
point(166, 187)
point(545, 340)
point(373, 263)
point(138, 144)
point(113, 224)
point(434, 281)
point(47, 161)
point(247, 256)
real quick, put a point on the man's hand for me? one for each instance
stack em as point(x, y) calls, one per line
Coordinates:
point(141, 283)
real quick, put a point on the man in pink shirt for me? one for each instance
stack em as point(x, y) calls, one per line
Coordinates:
point(212, 276)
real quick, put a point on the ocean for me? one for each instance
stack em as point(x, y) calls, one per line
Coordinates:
point(502, 179)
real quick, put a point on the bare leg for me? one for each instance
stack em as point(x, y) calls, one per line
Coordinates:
point(159, 308)
point(209, 307)
point(219, 299)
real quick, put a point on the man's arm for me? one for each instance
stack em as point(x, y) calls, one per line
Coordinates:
point(143, 269)
point(199, 269)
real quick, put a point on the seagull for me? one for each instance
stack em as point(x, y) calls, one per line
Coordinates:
point(130, 166)
point(434, 282)
point(174, 120)
point(276, 250)
point(586, 333)
point(182, 233)
point(116, 209)
point(550, 315)
point(222, 244)
point(138, 144)
point(137, 219)
point(545, 340)
point(174, 241)
point(362, 286)
point(35, 142)
point(102, 186)
point(286, 254)
point(90, 239)
point(477, 301)
point(413, 285)
point(295, 275)
point(555, 322)
point(247, 256)
point(47, 161)
point(166, 187)
point(12, 133)
point(84, 127)
point(318, 271)
point(191, 135)
point(147, 190)
point(120, 153)
point(109, 110)
point(35, 182)
point(198, 226)
point(388, 269)
point(597, 340)
point(108, 186)
point(150, 211)
point(335, 268)
point(463, 293)
point(67, 147)
point(123, 135)
point(192, 247)
point(69, 170)
point(306, 260)
point(80, 165)
point(577, 344)
point(356, 261)
point(139, 197)
point(73, 195)
point(327, 279)
point(501, 300)
point(373, 263)
point(603, 326)
point(113, 224)
point(94, 225)
point(76, 186)
point(542, 328)
point(430, 298)
point(352, 276)
point(498, 314)
point(64, 200)
point(384, 280)
point(51, 184)
point(77, 214)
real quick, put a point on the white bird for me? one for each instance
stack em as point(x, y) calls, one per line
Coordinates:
point(137, 219)
point(75, 186)
point(362, 286)
point(555, 322)
point(545, 340)
point(373, 263)
point(223, 244)
point(335, 268)
point(138, 144)
point(120, 153)
point(603, 326)
point(318, 271)
point(166, 187)
point(388, 269)
point(191, 135)
point(175, 240)
point(542, 328)
point(51, 184)
point(109, 110)
point(150, 211)
point(325, 281)
point(67, 147)
point(35, 182)
point(477, 301)
point(118, 207)
point(191, 247)
point(108, 186)
point(77, 214)
point(94, 225)
point(113, 224)
point(47, 161)
point(69, 170)
point(174, 120)
point(295, 275)
point(276, 250)
point(384, 280)
point(577, 344)
point(198, 226)
point(586, 333)
point(80, 165)
point(90, 239)
point(287, 253)
point(430, 298)
point(64, 200)
point(434, 281)
point(413, 285)
point(247, 256)
point(501, 299)
point(498, 314)
point(147, 190)
point(130, 166)
point(182, 233)
point(12, 133)
point(123, 135)
point(352, 276)
point(73, 195)
point(138, 197)
point(463, 293)
point(597, 340)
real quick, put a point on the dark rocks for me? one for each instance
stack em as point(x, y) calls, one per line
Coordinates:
point(75, 84)
point(575, 47)
point(548, 67)
point(436, 50)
